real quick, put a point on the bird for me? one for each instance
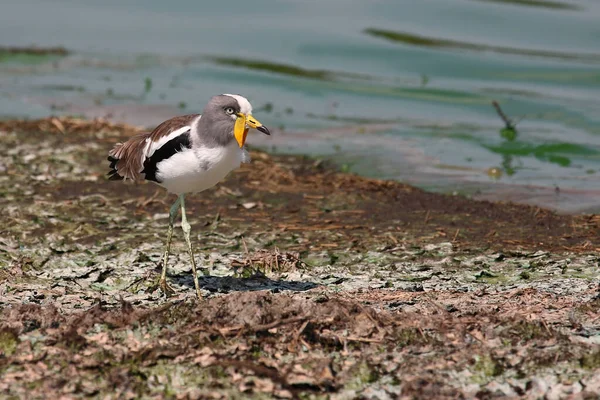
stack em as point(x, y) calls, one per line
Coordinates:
point(188, 154)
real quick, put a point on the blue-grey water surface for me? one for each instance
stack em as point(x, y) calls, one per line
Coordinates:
point(395, 89)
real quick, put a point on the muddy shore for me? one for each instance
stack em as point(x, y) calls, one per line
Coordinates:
point(317, 284)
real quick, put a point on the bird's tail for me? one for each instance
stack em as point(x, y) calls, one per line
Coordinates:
point(127, 159)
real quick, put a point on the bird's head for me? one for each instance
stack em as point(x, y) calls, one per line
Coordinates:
point(234, 112)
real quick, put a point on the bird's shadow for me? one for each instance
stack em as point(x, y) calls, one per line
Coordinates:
point(227, 284)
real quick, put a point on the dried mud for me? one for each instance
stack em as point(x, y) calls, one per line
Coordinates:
point(317, 284)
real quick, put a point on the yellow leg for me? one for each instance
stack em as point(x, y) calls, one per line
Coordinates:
point(168, 290)
point(186, 233)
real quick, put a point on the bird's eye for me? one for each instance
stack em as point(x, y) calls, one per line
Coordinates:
point(229, 110)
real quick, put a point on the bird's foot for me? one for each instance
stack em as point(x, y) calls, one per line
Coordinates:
point(166, 288)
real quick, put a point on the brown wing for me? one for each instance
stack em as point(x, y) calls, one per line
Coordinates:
point(127, 159)
point(171, 125)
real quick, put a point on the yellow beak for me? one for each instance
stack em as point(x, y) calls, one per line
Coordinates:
point(240, 130)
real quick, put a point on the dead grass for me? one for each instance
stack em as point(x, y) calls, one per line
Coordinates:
point(290, 345)
point(328, 285)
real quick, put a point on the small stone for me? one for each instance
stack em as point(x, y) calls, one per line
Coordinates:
point(501, 389)
point(537, 387)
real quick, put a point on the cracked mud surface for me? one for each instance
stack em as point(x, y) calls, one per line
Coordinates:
point(317, 284)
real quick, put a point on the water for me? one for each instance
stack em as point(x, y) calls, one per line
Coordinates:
point(387, 88)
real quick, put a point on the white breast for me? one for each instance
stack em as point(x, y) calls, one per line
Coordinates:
point(195, 170)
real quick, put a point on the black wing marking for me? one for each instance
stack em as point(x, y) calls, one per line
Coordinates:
point(167, 150)
point(113, 175)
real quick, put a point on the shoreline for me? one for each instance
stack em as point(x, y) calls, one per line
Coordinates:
point(424, 171)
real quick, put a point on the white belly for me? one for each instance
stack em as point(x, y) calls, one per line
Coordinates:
point(195, 170)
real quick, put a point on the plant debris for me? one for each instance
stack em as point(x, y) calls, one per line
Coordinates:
point(317, 284)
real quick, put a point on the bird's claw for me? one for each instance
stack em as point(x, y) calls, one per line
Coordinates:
point(166, 288)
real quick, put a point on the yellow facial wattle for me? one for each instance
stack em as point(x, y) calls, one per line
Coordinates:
point(239, 130)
